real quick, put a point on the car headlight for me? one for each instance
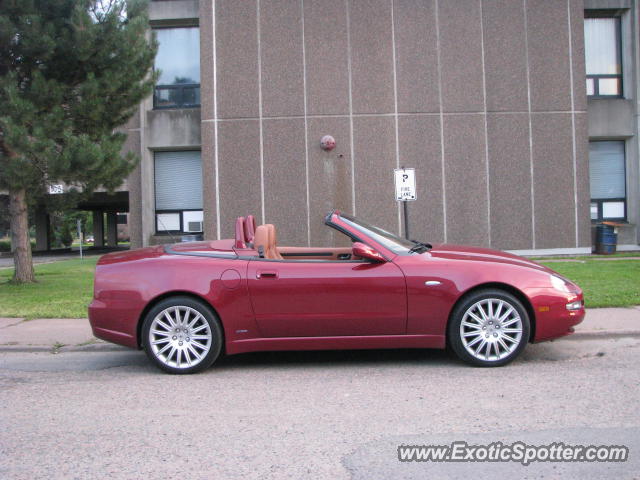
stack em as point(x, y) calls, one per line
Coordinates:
point(577, 305)
point(559, 283)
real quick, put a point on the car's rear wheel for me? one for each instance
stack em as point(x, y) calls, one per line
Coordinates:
point(489, 328)
point(182, 335)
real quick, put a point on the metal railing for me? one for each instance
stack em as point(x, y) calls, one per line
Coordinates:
point(185, 95)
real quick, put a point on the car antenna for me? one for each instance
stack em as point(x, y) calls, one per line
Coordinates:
point(167, 231)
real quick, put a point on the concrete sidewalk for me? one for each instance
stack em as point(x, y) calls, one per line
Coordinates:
point(64, 334)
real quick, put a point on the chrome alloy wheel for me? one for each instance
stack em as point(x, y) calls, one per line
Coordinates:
point(180, 337)
point(491, 329)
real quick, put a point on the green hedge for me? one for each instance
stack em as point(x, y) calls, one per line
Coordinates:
point(5, 245)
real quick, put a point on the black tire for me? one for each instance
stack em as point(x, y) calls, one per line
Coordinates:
point(176, 338)
point(489, 334)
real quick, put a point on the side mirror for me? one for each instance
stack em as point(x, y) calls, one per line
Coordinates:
point(365, 251)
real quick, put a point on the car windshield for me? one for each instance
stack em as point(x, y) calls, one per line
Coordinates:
point(398, 245)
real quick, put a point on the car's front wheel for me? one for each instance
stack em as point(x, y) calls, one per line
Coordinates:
point(181, 335)
point(489, 328)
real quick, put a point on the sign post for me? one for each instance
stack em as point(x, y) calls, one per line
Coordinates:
point(80, 236)
point(405, 183)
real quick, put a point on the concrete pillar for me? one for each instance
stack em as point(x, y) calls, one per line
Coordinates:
point(43, 238)
point(112, 229)
point(98, 229)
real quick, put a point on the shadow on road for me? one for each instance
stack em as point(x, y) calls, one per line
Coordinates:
point(324, 358)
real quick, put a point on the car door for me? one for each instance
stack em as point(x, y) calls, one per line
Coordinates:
point(316, 298)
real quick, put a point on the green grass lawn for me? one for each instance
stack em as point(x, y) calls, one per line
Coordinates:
point(587, 257)
point(64, 290)
point(614, 283)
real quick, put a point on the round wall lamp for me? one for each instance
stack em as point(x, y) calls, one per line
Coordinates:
point(328, 143)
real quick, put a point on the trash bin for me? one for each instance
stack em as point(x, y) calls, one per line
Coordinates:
point(606, 239)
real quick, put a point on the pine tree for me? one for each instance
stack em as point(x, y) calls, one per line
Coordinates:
point(71, 72)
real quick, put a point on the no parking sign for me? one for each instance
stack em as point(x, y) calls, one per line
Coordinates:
point(405, 180)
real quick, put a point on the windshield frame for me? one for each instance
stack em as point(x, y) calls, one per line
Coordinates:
point(388, 240)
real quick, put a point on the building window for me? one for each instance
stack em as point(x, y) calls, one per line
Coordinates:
point(178, 185)
point(602, 55)
point(607, 180)
point(178, 60)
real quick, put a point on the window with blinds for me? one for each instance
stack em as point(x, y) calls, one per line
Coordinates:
point(178, 191)
point(607, 179)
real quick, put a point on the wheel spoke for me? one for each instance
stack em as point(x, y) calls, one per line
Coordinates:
point(506, 323)
point(474, 341)
point(471, 325)
point(475, 317)
point(194, 352)
point(161, 340)
point(479, 349)
point(160, 333)
point(509, 338)
point(173, 350)
point(504, 345)
point(490, 310)
point(199, 345)
point(200, 337)
point(482, 312)
point(195, 330)
point(162, 324)
point(187, 356)
point(512, 330)
point(507, 313)
point(194, 320)
point(475, 333)
point(497, 312)
point(169, 318)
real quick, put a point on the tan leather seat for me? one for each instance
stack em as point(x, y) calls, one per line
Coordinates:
point(265, 241)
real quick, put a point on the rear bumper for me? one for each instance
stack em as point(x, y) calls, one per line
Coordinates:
point(112, 324)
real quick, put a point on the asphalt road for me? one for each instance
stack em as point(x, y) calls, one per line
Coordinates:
point(110, 414)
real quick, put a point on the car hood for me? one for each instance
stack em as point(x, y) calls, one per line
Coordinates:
point(460, 252)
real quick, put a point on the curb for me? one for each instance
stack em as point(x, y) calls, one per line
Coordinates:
point(590, 334)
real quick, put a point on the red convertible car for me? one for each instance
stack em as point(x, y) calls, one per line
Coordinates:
point(186, 304)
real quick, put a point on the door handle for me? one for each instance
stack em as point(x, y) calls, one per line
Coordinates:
point(266, 274)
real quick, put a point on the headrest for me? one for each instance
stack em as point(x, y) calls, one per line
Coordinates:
point(249, 228)
point(262, 237)
point(241, 241)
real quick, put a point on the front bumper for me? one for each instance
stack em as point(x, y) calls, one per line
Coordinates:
point(553, 320)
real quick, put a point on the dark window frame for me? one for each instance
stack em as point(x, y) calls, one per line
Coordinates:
point(597, 77)
point(180, 213)
point(599, 203)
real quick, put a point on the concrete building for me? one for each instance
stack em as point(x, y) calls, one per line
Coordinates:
point(490, 100)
